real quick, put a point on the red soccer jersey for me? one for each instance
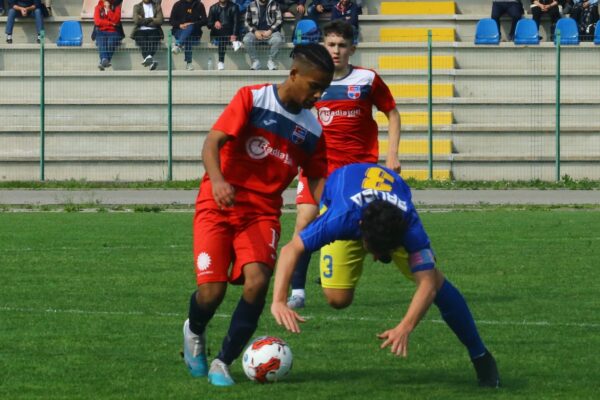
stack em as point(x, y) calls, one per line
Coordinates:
point(346, 114)
point(269, 144)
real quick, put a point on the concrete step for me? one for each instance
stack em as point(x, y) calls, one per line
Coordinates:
point(397, 58)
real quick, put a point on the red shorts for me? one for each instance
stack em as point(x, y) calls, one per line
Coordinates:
point(222, 238)
point(303, 195)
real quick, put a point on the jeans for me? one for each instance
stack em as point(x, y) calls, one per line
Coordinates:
point(514, 10)
point(187, 38)
point(275, 41)
point(148, 41)
point(12, 14)
point(107, 42)
point(553, 12)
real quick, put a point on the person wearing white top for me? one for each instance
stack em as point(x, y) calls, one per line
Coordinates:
point(147, 33)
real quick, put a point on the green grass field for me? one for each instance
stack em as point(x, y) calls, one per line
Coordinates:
point(91, 306)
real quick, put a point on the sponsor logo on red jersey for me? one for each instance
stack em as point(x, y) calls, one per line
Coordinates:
point(258, 148)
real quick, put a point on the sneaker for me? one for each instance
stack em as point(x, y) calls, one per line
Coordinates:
point(147, 61)
point(271, 65)
point(9, 39)
point(487, 370)
point(105, 63)
point(219, 374)
point(194, 351)
point(176, 49)
point(153, 65)
point(255, 65)
point(189, 66)
point(220, 66)
point(295, 302)
point(100, 66)
point(38, 39)
point(236, 45)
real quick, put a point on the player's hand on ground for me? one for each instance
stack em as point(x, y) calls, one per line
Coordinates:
point(286, 316)
point(223, 193)
point(397, 338)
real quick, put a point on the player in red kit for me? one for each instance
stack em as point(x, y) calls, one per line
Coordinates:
point(251, 155)
point(351, 134)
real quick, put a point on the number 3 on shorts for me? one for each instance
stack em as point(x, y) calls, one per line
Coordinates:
point(328, 271)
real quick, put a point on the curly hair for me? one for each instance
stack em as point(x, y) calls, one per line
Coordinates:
point(382, 228)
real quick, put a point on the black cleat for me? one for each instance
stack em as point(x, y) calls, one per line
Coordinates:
point(487, 371)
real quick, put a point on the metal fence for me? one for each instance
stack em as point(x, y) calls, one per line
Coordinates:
point(468, 112)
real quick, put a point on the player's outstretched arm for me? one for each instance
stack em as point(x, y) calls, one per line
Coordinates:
point(223, 192)
point(290, 253)
point(394, 123)
point(427, 284)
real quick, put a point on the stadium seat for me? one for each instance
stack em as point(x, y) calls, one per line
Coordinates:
point(486, 32)
point(70, 34)
point(526, 32)
point(306, 31)
point(597, 33)
point(569, 35)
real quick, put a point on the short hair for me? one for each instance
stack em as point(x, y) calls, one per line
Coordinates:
point(339, 27)
point(314, 54)
point(382, 227)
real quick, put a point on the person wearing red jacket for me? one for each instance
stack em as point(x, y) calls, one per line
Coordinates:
point(107, 18)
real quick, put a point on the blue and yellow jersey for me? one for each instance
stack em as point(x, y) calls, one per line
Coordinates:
point(347, 192)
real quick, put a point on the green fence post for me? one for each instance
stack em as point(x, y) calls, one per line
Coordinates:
point(170, 106)
point(42, 108)
point(430, 104)
point(557, 105)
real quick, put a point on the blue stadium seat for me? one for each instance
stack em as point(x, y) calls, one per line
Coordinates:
point(597, 34)
point(306, 31)
point(486, 32)
point(569, 34)
point(70, 34)
point(526, 32)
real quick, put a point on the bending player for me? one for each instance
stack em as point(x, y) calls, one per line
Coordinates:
point(251, 155)
point(351, 133)
point(367, 208)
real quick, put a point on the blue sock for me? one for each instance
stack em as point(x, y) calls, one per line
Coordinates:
point(243, 324)
point(198, 316)
point(299, 276)
point(457, 315)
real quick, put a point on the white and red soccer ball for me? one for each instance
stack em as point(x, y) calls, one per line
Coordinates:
point(267, 359)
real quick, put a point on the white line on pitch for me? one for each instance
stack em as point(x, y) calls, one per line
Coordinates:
point(329, 318)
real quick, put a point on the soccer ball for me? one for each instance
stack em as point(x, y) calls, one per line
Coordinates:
point(267, 359)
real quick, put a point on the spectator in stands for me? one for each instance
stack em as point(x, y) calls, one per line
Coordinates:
point(320, 7)
point(540, 8)
point(187, 18)
point(263, 21)
point(24, 8)
point(585, 13)
point(513, 8)
point(243, 6)
point(296, 7)
point(147, 32)
point(107, 21)
point(223, 24)
point(348, 11)
point(566, 5)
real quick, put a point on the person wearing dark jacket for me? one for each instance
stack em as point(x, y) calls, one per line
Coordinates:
point(347, 10)
point(147, 33)
point(187, 18)
point(319, 7)
point(223, 24)
point(23, 8)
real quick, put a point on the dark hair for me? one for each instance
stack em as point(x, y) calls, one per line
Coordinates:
point(314, 54)
point(382, 227)
point(339, 27)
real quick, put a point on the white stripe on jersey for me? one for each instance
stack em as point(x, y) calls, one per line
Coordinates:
point(265, 98)
point(358, 76)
